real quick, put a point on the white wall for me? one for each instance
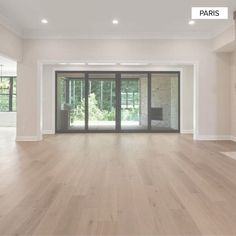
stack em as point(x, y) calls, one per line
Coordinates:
point(214, 73)
point(233, 95)
point(10, 44)
point(226, 41)
point(214, 77)
point(48, 95)
point(187, 99)
point(48, 99)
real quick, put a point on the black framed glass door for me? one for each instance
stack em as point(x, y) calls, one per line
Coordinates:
point(102, 101)
point(134, 101)
point(117, 101)
point(70, 105)
point(165, 97)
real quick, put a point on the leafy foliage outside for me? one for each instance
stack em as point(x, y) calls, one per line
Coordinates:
point(6, 95)
point(95, 113)
point(101, 100)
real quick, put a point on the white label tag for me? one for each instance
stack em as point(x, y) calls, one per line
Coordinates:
point(219, 13)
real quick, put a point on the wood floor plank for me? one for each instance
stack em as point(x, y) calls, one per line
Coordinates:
point(116, 184)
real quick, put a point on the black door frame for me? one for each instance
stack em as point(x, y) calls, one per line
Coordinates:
point(118, 102)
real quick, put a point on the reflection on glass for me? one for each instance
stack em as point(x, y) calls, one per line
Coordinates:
point(70, 101)
point(101, 102)
point(165, 102)
point(134, 106)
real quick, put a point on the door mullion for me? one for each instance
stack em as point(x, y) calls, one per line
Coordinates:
point(118, 101)
point(86, 101)
point(149, 100)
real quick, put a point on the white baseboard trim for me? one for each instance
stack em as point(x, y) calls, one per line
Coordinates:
point(28, 138)
point(213, 137)
point(198, 137)
point(48, 132)
point(186, 131)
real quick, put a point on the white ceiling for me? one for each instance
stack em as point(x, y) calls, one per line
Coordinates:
point(93, 18)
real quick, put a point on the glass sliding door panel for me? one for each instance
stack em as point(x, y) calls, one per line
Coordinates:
point(164, 114)
point(114, 101)
point(134, 101)
point(102, 101)
point(70, 101)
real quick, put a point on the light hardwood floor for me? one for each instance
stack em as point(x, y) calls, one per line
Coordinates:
point(116, 184)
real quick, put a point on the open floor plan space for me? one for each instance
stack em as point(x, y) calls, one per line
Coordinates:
point(117, 184)
point(118, 118)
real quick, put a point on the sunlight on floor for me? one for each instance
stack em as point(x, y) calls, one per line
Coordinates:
point(230, 154)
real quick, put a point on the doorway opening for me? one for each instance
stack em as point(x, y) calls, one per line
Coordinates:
point(8, 92)
point(88, 101)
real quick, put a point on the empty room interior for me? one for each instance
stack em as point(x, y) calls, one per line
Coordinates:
point(117, 117)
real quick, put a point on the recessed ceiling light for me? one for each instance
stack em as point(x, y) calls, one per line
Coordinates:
point(44, 21)
point(101, 64)
point(191, 22)
point(115, 22)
